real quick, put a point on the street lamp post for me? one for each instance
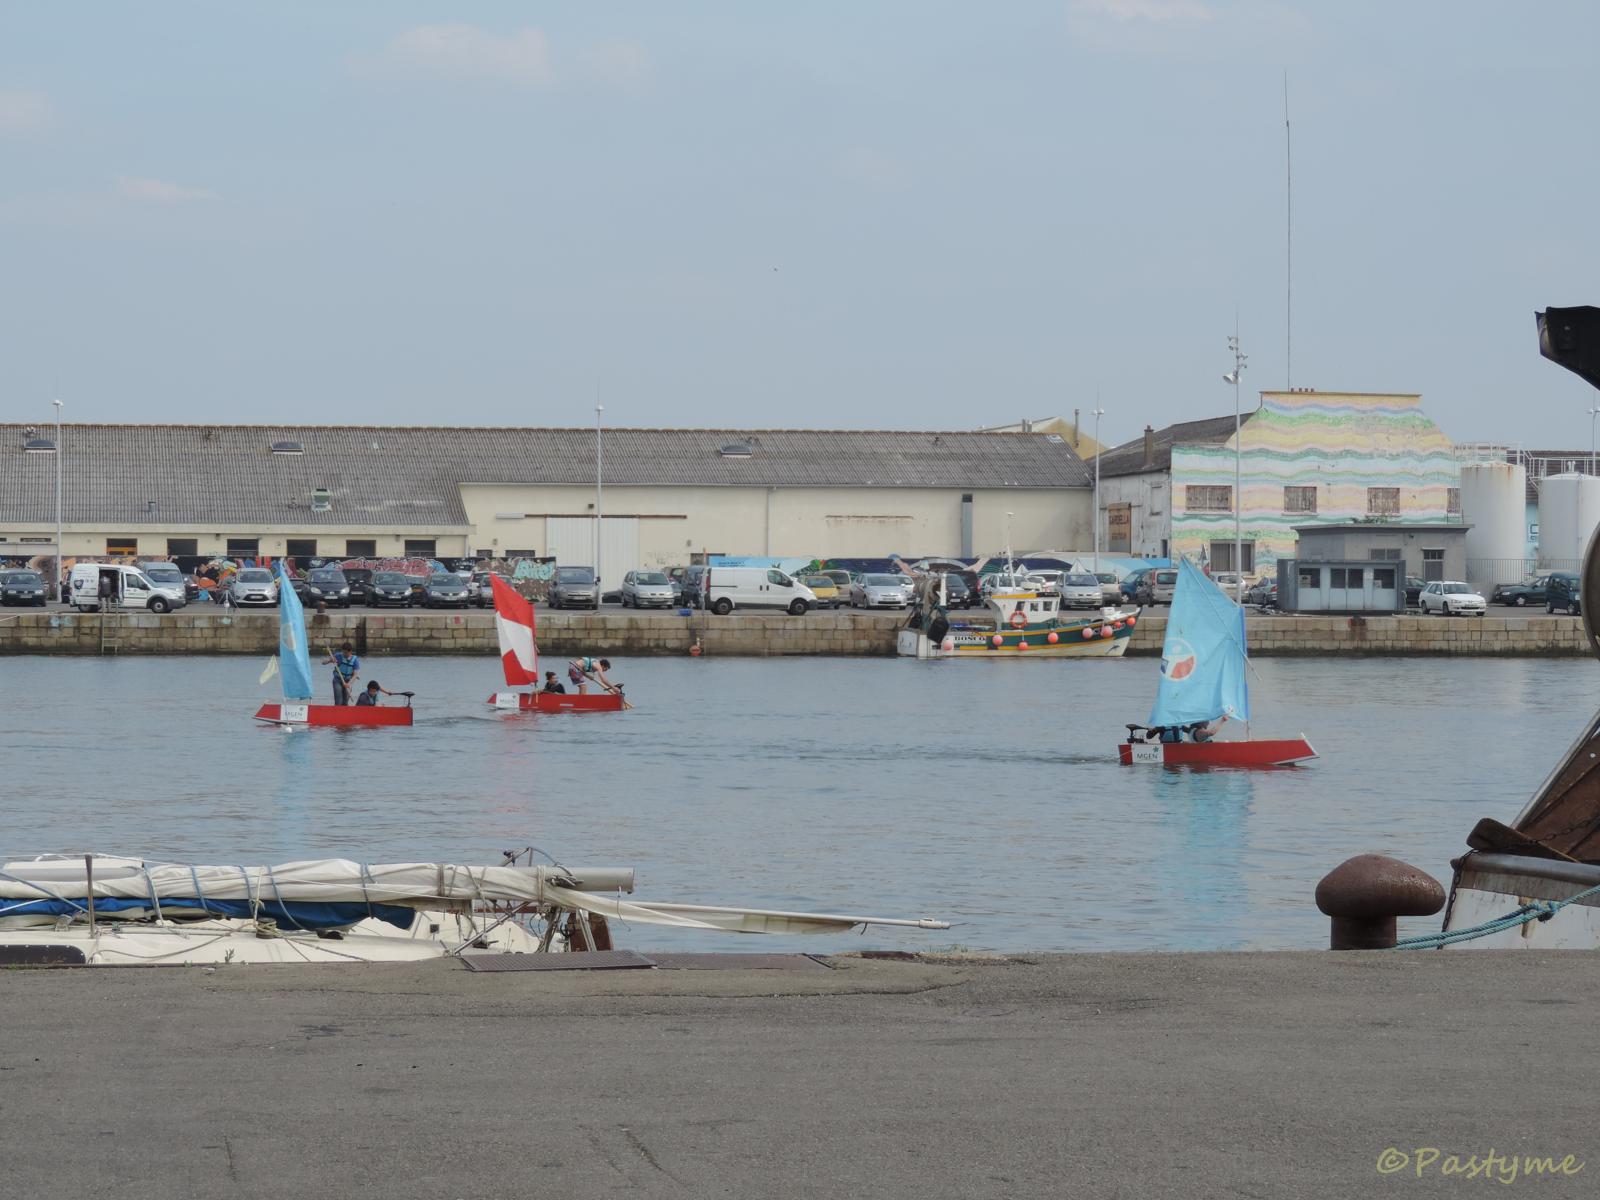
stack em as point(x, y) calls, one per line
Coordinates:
point(1592, 413)
point(599, 463)
point(1098, 413)
point(60, 552)
point(1234, 376)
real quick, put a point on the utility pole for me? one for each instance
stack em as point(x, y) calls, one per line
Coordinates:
point(1234, 376)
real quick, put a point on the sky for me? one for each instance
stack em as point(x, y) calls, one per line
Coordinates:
point(904, 214)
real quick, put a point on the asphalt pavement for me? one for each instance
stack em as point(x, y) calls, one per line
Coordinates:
point(1258, 1075)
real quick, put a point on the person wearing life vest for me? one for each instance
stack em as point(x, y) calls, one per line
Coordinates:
point(580, 669)
point(346, 669)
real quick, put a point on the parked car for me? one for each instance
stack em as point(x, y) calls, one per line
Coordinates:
point(129, 588)
point(1518, 595)
point(1232, 585)
point(253, 587)
point(1414, 588)
point(389, 587)
point(647, 589)
point(1110, 587)
point(1081, 591)
point(1451, 598)
point(1046, 581)
point(1160, 586)
point(191, 588)
point(842, 580)
point(360, 580)
point(22, 588)
point(1133, 581)
point(881, 591)
point(327, 585)
point(1562, 593)
point(1263, 592)
point(167, 580)
point(481, 588)
point(825, 590)
point(575, 587)
point(958, 592)
point(445, 589)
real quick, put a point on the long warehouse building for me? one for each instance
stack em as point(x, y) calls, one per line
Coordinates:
point(668, 496)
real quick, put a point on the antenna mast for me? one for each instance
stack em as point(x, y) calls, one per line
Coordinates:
point(1288, 235)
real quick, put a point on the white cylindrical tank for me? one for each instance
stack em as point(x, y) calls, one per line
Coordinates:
point(1569, 510)
point(1494, 500)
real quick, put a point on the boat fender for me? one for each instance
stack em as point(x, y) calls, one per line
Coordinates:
point(1052, 637)
point(695, 651)
point(1105, 631)
point(1023, 644)
point(996, 640)
point(948, 645)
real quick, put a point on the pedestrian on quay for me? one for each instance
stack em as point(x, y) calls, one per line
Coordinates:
point(346, 668)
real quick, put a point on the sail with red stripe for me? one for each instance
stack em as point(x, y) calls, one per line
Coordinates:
point(513, 621)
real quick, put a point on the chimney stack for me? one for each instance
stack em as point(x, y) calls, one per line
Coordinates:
point(1149, 447)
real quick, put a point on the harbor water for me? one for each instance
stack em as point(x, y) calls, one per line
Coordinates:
point(984, 793)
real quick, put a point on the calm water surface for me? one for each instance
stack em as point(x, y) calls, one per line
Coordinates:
point(984, 793)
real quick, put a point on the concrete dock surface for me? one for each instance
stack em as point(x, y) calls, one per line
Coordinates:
point(1182, 1075)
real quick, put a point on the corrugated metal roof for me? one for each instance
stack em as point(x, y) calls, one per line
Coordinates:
point(1128, 458)
point(410, 476)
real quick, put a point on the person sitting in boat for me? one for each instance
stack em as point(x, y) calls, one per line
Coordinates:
point(552, 684)
point(370, 695)
point(580, 670)
point(1168, 733)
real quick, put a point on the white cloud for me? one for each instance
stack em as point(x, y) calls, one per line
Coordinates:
point(24, 112)
point(466, 52)
point(159, 191)
point(623, 65)
point(1160, 12)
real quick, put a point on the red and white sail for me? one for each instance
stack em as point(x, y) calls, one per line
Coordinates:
point(513, 621)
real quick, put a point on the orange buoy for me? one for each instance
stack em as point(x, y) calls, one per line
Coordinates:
point(1052, 637)
point(1023, 644)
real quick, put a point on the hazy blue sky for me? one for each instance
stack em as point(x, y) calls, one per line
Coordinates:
point(909, 214)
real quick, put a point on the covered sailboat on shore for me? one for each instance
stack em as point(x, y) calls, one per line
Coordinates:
point(1204, 681)
point(103, 910)
point(293, 666)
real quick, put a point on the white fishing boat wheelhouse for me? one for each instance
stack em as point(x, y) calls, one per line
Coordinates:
point(103, 910)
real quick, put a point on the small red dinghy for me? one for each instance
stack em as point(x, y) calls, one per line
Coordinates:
point(558, 701)
point(338, 715)
point(1278, 752)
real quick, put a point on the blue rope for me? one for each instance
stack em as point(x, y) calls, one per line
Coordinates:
point(1537, 910)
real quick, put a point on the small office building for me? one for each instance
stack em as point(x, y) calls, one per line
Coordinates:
point(1362, 567)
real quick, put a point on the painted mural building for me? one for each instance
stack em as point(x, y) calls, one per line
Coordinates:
point(1306, 457)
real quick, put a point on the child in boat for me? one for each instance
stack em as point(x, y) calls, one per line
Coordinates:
point(580, 669)
point(346, 666)
point(370, 696)
point(551, 683)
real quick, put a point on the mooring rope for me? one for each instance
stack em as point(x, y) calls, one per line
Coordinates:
point(1536, 910)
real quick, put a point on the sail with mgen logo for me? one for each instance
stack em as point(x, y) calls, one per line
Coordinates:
point(1203, 660)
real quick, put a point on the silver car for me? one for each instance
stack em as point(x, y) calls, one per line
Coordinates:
point(253, 586)
point(1081, 591)
point(575, 587)
point(647, 589)
point(168, 580)
point(880, 591)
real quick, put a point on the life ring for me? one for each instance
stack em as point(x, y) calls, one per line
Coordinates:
point(1018, 619)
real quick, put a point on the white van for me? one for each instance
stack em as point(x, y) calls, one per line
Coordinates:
point(728, 588)
point(129, 588)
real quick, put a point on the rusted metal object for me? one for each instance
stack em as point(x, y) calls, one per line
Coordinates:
point(1365, 894)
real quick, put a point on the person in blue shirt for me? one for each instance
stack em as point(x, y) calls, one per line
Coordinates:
point(346, 668)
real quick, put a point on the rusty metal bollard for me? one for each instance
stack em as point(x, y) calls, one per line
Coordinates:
point(1365, 894)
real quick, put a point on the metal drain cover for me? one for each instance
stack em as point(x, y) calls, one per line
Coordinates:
point(580, 960)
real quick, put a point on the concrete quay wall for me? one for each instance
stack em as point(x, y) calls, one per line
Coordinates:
point(199, 632)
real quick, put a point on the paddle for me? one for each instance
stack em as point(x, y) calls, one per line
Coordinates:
point(613, 689)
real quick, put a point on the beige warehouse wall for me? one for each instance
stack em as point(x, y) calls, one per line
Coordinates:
point(785, 522)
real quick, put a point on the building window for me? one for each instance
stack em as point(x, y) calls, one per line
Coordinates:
point(1432, 566)
point(1347, 577)
point(1383, 578)
point(361, 548)
point(420, 547)
point(1208, 497)
point(301, 547)
point(1391, 554)
point(244, 548)
point(1452, 501)
point(1383, 502)
point(1311, 577)
point(183, 547)
point(126, 544)
point(1222, 557)
point(1299, 499)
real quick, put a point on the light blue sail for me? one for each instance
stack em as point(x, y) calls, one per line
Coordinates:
point(294, 659)
point(1204, 660)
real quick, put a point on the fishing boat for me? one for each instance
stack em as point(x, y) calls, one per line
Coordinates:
point(106, 910)
point(1020, 621)
point(1204, 669)
point(515, 627)
point(293, 665)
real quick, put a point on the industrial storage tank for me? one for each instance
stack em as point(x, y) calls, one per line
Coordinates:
point(1569, 509)
point(1494, 500)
